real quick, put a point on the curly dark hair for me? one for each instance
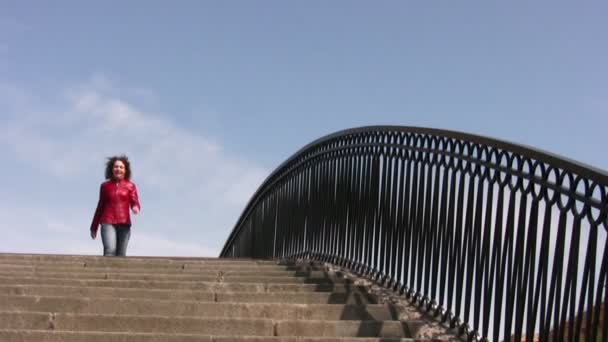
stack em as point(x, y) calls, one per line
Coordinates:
point(110, 164)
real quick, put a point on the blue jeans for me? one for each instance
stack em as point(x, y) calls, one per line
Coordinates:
point(115, 238)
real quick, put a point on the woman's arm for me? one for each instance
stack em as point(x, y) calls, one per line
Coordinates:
point(98, 211)
point(134, 200)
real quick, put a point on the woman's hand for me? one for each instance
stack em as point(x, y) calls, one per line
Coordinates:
point(93, 234)
point(135, 210)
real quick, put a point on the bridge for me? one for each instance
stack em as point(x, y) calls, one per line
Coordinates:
point(371, 234)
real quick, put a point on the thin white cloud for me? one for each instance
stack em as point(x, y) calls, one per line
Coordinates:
point(60, 227)
point(199, 187)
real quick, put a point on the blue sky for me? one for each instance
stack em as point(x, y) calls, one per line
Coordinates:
point(208, 97)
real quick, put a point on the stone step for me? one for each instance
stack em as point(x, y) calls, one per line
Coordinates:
point(15, 269)
point(124, 306)
point(133, 261)
point(169, 274)
point(55, 257)
point(209, 326)
point(114, 280)
point(121, 263)
point(201, 287)
point(141, 284)
point(204, 292)
point(95, 336)
point(106, 292)
point(353, 297)
point(302, 298)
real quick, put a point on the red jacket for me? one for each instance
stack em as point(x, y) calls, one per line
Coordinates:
point(115, 198)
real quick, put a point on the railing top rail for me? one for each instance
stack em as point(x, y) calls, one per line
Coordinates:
point(586, 171)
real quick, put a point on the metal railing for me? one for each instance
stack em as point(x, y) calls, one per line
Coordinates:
point(500, 240)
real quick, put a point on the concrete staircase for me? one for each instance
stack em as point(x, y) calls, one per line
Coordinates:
point(82, 298)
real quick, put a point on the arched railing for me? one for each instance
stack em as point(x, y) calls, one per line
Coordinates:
point(500, 240)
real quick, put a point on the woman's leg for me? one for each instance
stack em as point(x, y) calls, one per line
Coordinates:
point(108, 237)
point(123, 234)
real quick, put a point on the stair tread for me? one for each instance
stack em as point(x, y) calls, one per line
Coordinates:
point(4, 278)
point(95, 336)
point(208, 325)
point(142, 306)
point(211, 286)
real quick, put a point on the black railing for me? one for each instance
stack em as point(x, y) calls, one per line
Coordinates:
point(502, 241)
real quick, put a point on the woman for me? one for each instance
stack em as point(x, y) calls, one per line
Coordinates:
point(116, 195)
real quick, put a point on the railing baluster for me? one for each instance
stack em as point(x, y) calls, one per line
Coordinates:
point(427, 233)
